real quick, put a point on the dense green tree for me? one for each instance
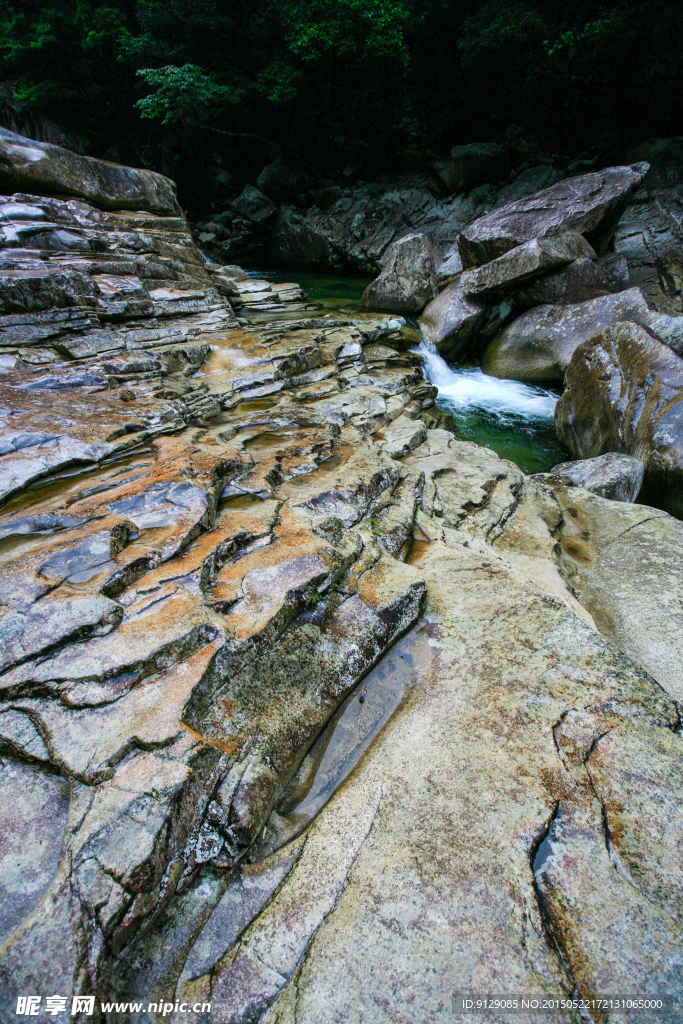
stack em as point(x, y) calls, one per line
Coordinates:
point(210, 90)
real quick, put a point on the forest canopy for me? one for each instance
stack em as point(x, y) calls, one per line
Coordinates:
point(181, 85)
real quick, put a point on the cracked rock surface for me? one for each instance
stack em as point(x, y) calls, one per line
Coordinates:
point(308, 709)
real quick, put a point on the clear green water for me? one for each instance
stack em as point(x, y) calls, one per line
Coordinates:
point(334, 291)
point(530, 444)
point(513, 419)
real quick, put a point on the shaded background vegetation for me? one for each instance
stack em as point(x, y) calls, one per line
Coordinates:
point(210, 90)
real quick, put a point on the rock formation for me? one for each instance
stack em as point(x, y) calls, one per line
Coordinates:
point(623, 393)
point(539, 344)
point(310, 711)
point(453, 319)
point(613, 475)
point(579, 281)
point(48, 170)
point(341, 226)
point(590, 205)
point(407, 282)
point(565, 294)
point(525, 261)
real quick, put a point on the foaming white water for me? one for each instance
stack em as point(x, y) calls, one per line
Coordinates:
point(469, 388)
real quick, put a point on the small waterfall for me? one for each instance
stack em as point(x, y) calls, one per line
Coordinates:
point(464, 388)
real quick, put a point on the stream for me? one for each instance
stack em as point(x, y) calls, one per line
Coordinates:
point(515, 420)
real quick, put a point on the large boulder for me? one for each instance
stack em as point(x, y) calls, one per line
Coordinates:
point(580, 281)
point(613, 475)
point(532, 180)
point(252, 203)
point(282, 182)
point(452, 320)
point(407, 282)
point(539, 344)
point(624, 393)
point(474, 164)
point(43, 169)
point(525, 261)
point(590, 204)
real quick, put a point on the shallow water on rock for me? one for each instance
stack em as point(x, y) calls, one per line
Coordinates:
point(357, 722)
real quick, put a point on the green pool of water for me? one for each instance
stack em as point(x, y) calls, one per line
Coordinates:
point(334, 291)
point(530, 444)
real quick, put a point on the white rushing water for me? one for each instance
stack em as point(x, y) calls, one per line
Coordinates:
point(467, 388)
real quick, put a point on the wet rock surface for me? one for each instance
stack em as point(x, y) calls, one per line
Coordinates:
point(308, 709)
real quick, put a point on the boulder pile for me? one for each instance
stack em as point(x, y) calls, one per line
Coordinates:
point(286, 217)
point(541, 305)
point(537, 287)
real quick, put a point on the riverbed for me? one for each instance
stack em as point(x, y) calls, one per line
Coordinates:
point(514, 419)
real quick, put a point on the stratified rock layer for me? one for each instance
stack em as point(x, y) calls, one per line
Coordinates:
point(304, 709)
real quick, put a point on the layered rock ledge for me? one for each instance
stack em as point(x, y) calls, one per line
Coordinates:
point(310, 710)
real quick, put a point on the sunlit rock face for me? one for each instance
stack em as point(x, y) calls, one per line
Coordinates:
point(308, 709)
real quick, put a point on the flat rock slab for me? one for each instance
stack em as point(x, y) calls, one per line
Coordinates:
point(590, 204)
point(525, 261)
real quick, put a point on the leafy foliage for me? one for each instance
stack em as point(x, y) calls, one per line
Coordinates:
point(196, 86)
point(183, 94)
